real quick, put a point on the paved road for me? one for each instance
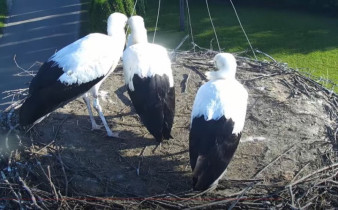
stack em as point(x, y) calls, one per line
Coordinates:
point(35, 29)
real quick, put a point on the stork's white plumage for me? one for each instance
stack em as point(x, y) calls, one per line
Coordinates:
point(146, 60)
point(217, 121)
point(138, 31)
point(149, 80)
point(77, 69)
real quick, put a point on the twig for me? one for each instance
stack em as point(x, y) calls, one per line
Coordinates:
point(29, 192)
point(238, 194)
point(64, 172)
point(244, 180)
point(305, 92)
point(273, 161)
point(186, 82)
point(14, 93)
point(306, 206)
point(309, 80)
point(9, 117)
point(294, 178)
point(11, 188)
point(241, 195)
point(116, 205)
point(166, 204)
point(59, 127)
point(89, 204)
point(292, 207)
point(327, 179)
point(313, 173)
point(139, 162)
point(333, 182)
point(211, 204)
point(181, 43)
point(25, 70)
point(14, 105)
point(267, 55)
point(203, 77)
point(260, 77)
point(292, 196)
point(49, 177)
point(50, 143)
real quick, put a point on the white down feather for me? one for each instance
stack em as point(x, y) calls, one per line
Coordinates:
point(223, 95)
point(146, 60)
point(88, 58)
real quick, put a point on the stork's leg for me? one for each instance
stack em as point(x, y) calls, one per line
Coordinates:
point(158, 145)
point(95, 126)
point(99, 111)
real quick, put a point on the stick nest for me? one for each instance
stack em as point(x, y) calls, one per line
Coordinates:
point(287, 157)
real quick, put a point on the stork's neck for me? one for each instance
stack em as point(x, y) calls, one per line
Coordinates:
point(115, 32)
point(221, 74)
point(137, 36)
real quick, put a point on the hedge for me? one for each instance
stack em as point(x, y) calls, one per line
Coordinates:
point(99, 11)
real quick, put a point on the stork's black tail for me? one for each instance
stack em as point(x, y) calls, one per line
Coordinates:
point(31, 110)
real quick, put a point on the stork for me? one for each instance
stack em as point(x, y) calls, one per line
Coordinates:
point(149, 80)
point(76, 70)
point(217, 121)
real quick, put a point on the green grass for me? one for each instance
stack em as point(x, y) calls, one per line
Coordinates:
point(3, 13)
point(305, 41)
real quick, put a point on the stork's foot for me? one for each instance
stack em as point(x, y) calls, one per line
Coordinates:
point(113, 134)
point(96, 127)
point(158, 145)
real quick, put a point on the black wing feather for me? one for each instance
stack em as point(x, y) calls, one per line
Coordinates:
point(214, 142)
point(48, 74)
point(47, 93)
point(154, 102)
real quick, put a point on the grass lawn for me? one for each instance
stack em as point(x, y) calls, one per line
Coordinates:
point(3, 13)
point(305, 41)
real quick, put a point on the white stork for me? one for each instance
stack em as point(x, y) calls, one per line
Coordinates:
point(77, 69)
point(217, 121)
point(149, 80)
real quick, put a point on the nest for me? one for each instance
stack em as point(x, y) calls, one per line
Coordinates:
point(287, 157)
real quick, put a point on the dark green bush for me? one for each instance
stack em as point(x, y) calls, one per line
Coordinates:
point(3, 13)
point(100, 10)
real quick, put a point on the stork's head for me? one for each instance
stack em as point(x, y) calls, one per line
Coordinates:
point(226, 65)
point(116, 22)
point(138, 31)
point(136, 22)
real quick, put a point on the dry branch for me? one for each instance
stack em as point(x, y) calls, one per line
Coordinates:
point(274, 160)
point(29, 192)
point(333, 166)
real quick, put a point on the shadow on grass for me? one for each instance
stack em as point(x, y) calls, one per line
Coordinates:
point(301, 39)
point(270, 30)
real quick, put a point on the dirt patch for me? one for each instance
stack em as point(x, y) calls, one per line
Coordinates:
point(290, 132)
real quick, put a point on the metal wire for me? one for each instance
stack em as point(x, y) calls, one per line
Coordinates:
point(219, 48)
point(239, 21)
point(189, 19)
point(158, 14)
point(132, 13)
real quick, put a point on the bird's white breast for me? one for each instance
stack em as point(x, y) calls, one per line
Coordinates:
point(88, 58)
point(222, 97)
point(146, 60)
